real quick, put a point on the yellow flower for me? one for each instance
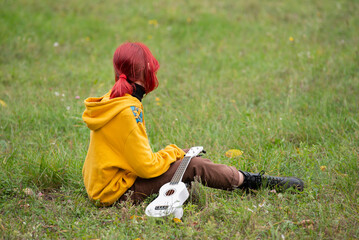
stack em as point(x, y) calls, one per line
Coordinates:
point(323, 168)
point(233, 153)
point(158, 103)
point(189, 19)
point(177, 220)
point(149, 37)
point(153, 22)
point(232, 101)
point(298, 150)
point(291, 39)
point(2, 103)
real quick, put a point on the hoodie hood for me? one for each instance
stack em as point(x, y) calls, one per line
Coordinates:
point(99, 111)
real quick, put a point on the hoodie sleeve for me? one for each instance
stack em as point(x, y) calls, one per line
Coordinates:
point(142, 160)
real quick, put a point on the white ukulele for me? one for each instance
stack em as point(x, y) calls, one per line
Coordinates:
point(173, 194)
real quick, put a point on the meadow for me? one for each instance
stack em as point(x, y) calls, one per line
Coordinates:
point(277, 80)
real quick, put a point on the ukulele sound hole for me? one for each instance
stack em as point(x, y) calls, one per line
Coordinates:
point(170, 192)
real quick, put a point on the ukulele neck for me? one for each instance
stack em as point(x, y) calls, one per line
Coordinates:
point(177, 177)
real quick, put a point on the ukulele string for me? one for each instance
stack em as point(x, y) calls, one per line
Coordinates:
point(180, 171)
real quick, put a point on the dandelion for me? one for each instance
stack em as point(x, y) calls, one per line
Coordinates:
point(291, 39)
point(233, 153)
point(323, 168)
point(189, 19)
point(233, 101)
point(87, 39)
point(153, 22)
point(149, 37)
point(2, 103)
point(177, 220)
point(158, 103)
point(56, 44)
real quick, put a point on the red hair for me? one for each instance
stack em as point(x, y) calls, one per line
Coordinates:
point(134, 62)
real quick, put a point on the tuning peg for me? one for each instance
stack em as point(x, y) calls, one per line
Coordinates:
point(201, 154)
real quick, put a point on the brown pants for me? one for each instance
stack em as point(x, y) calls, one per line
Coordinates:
point(210, 174)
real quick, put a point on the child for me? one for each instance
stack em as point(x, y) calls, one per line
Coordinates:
point(119, 158)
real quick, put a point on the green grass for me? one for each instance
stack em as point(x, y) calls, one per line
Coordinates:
point(230, 78)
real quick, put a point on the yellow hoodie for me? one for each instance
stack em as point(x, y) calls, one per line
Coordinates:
point(119, 149)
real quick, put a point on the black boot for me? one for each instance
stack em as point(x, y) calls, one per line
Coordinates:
point(258, 180)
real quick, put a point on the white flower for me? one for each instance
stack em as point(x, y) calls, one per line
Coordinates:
point(57, 94)
point(56, 44)
point(28, 191)
point(68, 108)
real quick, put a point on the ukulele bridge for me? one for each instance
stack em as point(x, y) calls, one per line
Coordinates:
point(161, 207)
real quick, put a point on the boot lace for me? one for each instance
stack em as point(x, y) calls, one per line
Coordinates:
point(256, 179)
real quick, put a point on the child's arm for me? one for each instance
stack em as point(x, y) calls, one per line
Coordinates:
point(142, 160)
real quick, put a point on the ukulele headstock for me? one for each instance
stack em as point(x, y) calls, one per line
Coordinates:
point(195, 151)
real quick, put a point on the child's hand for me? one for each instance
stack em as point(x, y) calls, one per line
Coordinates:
point(186, 150)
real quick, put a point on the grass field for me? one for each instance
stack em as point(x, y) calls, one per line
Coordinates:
point(278, 80)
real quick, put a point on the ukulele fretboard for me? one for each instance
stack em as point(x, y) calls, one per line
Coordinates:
point(177, 177)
